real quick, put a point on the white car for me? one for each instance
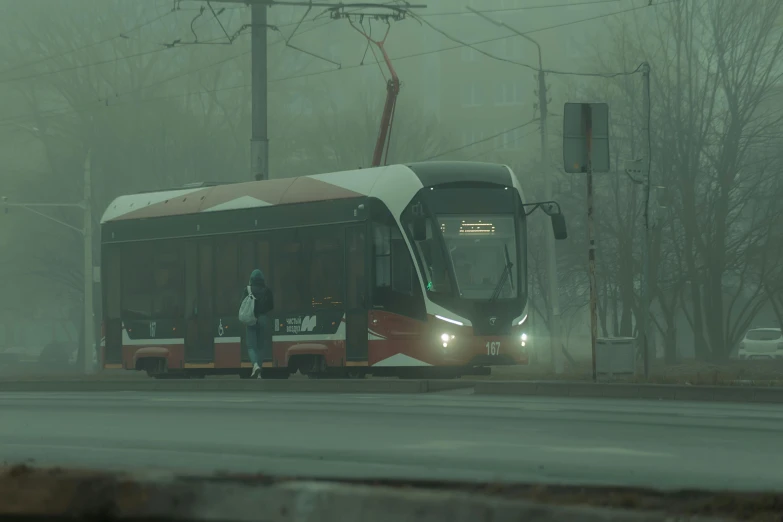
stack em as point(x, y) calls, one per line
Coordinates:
point(762, 343)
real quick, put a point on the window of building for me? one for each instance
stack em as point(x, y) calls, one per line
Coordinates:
point(468, 54)
point(471, 94)
point(472, 137)
point(511, 140)
point(509, 93)
point(153, 280)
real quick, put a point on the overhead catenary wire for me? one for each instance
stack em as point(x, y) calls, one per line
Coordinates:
point(111, 102)
point(227, 59)
point(424, 53)
point(482, 140)
point(524, 8)
point(489, 40)
point(123, 34)
point(524, 33)
point(501, 147)
point(356, 66)
point(177, 43)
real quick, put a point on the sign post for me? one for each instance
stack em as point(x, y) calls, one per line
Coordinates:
point(586, 150)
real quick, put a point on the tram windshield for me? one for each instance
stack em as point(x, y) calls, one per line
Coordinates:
point(471, 245)
point(482, 250)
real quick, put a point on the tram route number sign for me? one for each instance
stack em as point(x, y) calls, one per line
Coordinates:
point(493, 348)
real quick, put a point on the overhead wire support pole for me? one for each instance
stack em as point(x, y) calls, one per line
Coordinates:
point(645, 311)
point(552, 280)
point(259, 141)
point(588, 119)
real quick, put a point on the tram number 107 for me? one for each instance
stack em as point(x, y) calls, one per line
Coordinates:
point(493, 348)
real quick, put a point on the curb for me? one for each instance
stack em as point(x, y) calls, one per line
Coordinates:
point(280, 386)
point(630, 391)
point(239, 385)
point(80, 495)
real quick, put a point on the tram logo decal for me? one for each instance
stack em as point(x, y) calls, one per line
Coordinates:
point(493, 320)
point(303, 324)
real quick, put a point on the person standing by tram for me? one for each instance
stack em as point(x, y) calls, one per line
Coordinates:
point(258, 295)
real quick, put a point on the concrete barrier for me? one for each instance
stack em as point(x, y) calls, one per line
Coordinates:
point(61, 494)
point(629, 391)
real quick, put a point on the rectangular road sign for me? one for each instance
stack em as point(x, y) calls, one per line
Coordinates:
point(586, 137)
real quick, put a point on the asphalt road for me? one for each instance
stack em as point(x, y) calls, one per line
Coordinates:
point(434, 436)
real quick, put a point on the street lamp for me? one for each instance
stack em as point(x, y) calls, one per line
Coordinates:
point(87, 235)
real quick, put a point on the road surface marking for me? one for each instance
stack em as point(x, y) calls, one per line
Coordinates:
point(606, 451)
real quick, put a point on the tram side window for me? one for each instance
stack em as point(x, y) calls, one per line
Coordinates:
point(396, 287)
point(247, 262)
point(393, 265)
point(429, 253)
point(153, 281)
point(383, 255)
point(113, 275)
point(290, 274)
point(403, 274)
point(326, 266)
point(228, 283)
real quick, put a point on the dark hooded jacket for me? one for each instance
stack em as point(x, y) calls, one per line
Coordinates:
point(257, 284)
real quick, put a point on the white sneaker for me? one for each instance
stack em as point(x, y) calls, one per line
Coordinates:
point(256, 373)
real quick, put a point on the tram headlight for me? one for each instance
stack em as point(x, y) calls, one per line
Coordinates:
point(523, 339)
point(446, 339)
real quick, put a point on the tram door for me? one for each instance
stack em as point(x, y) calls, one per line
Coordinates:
point(356, 298)
point(199, 338)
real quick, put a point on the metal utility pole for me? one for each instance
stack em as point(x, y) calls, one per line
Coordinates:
point(259, 139)
point(551, 259)
point(87, 234)
point(89, 312)
point(588, 119)
point(259, 142)
point(586, 150)
point(645, 312)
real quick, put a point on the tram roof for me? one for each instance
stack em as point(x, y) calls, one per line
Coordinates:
point(387, 183)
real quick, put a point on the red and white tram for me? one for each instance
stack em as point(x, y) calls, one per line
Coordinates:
point(407, 270)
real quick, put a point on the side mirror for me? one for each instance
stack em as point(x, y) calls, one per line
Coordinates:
point(559, 226)
point(419, 229)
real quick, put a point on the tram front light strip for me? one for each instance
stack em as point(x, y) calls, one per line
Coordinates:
point(452, 321)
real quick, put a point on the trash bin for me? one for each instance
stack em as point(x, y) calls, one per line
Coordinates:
point(615, 356)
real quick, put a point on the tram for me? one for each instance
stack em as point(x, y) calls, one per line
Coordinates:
point(414, 270)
